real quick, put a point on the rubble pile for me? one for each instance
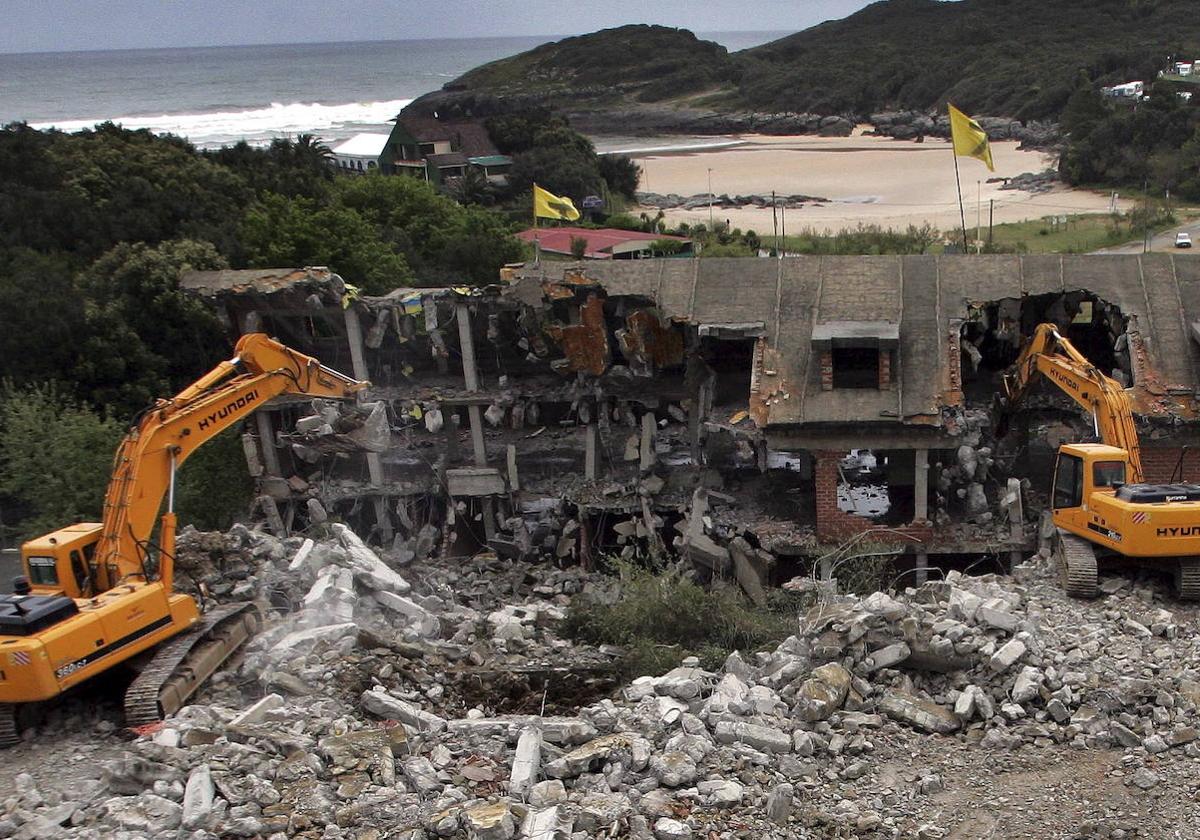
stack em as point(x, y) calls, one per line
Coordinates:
point(346, 716)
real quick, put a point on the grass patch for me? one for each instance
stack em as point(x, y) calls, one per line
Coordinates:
point(661, 616)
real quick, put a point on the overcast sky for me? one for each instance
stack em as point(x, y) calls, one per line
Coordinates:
point(50, 25)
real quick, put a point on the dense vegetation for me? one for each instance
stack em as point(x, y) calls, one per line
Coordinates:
point(1016, 58)
point(1151, 146)
point(95, 229)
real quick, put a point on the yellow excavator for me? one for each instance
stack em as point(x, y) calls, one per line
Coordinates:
point(1101, 508)
point(99, 594)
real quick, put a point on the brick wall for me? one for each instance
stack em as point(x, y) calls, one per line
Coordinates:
point(1158, 462)
point(833, 523)
point(885, 370)
point(827, 370)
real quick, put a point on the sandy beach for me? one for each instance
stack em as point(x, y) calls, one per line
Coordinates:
point(872, 180)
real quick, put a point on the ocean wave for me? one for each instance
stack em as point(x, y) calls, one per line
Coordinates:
point(251, 124)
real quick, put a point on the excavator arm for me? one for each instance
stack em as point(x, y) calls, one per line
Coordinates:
point(1049, 354)
point(164, 436)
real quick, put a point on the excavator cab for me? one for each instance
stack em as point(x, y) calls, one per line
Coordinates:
point(1081, 469)
point(64, 562)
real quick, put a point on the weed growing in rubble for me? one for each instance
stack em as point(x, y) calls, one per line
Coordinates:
point(662, 616)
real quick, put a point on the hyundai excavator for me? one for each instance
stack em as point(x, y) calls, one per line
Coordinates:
point(101, 594)
point(1102, 510)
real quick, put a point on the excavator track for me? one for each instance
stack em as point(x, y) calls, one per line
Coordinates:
point(9, 734)
point(1187, 579)
point(1077, 565)
point(181, 665)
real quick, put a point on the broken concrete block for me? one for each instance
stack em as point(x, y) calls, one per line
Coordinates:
point(1007, 656)
point(368, 568)
point(316, 511)
point(994, 613)
point(762, 738)
point(419, 618)
point(921, 714)
point(198, 798)
point(421, 773)
point(779, 803)
point(527, 762)
point(303, 639)
point(963, 604)
point(332, 595)
point(1028, 684)
point(823, 692)
point(546, 824)
point(381, 704)
point(302, 554)
point(666, 828)
point(257, 712)
point(313, 423)
point(889, 656)
point(375, 434)
point(720, 793)
point(673, 769)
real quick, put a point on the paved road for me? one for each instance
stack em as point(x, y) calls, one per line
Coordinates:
point(1162, 242)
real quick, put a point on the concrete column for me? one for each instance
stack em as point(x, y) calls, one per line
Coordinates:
point(252, 322)
point(466, 344)
point(374, 463)
point(514, 478)
point(589, 459)
point(647, 445)
point(921, 487)
point(921, 575)
point(266, 443)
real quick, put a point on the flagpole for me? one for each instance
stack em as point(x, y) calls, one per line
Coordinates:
point(537, 245)
point(961, 212)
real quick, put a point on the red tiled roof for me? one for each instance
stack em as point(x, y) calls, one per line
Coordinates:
point(600, 241)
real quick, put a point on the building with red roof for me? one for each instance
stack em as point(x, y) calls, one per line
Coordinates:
point(602, 243)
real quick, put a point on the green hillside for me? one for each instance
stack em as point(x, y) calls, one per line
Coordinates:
point(1016, 58)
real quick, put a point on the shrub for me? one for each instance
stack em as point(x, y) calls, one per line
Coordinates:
point(660, 617)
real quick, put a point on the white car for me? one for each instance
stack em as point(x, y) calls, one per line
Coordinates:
point(1183, 240)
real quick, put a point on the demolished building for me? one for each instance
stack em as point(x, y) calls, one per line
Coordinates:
point(762, 417)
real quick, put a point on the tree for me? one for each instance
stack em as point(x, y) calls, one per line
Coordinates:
point(143, 337)
point(578, 247)
point(620, 173)
point(55, 457)
point(214, 488)
point(296, 231)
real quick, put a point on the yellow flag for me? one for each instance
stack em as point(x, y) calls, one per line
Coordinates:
point(547, 205)
point(969, 139)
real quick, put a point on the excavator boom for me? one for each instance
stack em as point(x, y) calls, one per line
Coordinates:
point(92, 598)
point(1053, 356)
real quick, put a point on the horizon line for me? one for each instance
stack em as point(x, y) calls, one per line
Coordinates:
point(548, 38)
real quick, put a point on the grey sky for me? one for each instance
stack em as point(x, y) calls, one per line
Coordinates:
point(50, 25)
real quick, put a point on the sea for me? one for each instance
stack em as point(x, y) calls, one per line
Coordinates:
point(216, 96)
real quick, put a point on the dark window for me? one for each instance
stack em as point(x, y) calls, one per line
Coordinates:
point(42, 571)
point(1068, 482)
point(855, 367)
point(1108, 473)
point(79, 570)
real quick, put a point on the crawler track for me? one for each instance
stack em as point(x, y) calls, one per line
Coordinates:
point(1187, 579)
point(1077, 565)
point(182, 664)
point(9, 735)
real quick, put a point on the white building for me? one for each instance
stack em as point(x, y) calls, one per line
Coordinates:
point(1131, 90)
point(360, 153)
point(1184, 68)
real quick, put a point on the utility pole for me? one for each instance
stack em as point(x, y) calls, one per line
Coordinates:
point(775, 220)
point(991, 217)
point(978, 213)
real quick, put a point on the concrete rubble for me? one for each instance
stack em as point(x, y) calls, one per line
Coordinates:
point(349, 717)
